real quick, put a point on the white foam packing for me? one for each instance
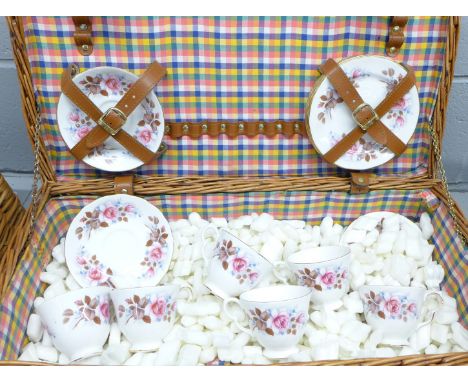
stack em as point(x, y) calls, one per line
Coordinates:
point(394, 253)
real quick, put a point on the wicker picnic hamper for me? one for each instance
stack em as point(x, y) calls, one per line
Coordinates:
point(228, 171)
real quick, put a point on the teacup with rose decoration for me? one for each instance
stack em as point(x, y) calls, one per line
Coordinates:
point(277, 317)
point(324, 270)
point(78, 322)
point(396, 311)
point(233, 266)
point(146, 315)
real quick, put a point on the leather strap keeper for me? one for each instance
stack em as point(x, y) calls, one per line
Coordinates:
point(123, 184)
point(396, 35)
point(360, 182)
point(366, 117)
point(82, 34)
point(110, 123)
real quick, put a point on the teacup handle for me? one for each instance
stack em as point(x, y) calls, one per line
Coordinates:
point(426, 295)
point(232, 317)
point(205, 254)
point(277, 266)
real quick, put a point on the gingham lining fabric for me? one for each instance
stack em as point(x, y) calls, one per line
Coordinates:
point(232, 68)
point(53, 223)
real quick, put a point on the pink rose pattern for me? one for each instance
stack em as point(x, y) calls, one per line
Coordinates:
point(93, 270)
point(151, 308)
point(236, 262)
point(387, 306)
point(156, 245)
point(322, 279)
point(94, 310)
point(103, 215)
point(278, 321)
point(331, 98)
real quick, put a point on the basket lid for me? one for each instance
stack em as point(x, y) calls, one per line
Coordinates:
point(233, 69)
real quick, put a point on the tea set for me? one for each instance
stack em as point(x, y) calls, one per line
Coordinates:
point(79, 321)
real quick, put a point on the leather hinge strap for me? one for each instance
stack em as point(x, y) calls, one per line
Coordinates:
point(366, 117)
point(110, 122)
point(123, 184)
point(396, 35)
point(360, 182)
point(83, 34)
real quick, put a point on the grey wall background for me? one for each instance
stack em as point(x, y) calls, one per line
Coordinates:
point(16, 157)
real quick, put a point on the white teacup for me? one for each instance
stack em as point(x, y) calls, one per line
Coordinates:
point(395, 311)
point(233, 267)
point(145, 315)
point(324, 270)
point(277, 316)
point(78, 321)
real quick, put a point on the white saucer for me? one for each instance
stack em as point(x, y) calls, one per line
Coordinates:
point(119, 241)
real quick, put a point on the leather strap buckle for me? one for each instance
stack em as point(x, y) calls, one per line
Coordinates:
point(102, 120)
point(364, 126)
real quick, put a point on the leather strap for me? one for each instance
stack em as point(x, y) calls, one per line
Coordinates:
point(234, 129)
point(113, 119)
point(360, 182)
point(82, 34)
point(396, 35)
point(123, 184)
point(368, 119)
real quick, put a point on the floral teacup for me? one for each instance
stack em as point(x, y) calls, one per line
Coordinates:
point(145, 315)
point(78, 322)
point(395, 311)
point(324, 270)
point(277, 315)
point(233, 267)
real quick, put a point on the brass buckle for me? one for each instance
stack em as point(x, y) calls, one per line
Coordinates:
point(104, 124)
point(369, 123)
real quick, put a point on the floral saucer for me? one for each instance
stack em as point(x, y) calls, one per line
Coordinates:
point(105, 86)
point(119, 241)
point(360, 227)
point(329, 119)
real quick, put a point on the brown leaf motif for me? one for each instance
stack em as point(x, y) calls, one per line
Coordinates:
point(88, 310)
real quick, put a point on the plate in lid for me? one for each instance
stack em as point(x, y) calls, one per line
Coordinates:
point(329, 119)
point(105, 86)
point(119, 241)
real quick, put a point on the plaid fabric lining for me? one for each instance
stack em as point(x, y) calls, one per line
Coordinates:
point(232, 68)
point(53, 223)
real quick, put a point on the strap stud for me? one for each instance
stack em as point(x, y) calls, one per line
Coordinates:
point(361, 180)
point(392, 49)
point(241, 127)
point(296, 127)
point(85, 47)
point(261, 126)
point(223, 127)
point(279, 127)
point(396, 28)
point(124, 191)
point(185, 128)
point(167, 129)
point(83, 27)
point(204, 128)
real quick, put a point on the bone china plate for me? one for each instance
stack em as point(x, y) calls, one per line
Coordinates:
point(329, 119)
point(119, 241)
point(373, 220)
point(105, 86)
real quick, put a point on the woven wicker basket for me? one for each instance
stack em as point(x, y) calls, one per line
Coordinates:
point(18, 249)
